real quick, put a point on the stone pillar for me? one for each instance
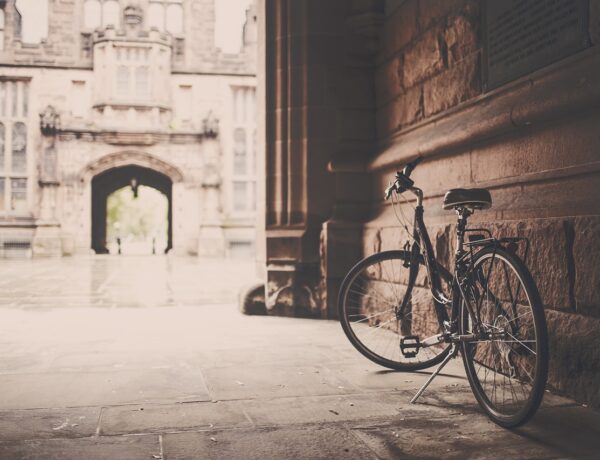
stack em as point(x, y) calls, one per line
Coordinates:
point(319, 112)
point(211, 241)
point(47, 237)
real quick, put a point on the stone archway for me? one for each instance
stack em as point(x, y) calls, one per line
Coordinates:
point(116, 171)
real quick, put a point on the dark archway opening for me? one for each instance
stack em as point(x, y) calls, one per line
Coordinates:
point(114, 179)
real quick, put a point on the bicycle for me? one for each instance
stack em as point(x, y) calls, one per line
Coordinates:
point(489, 308)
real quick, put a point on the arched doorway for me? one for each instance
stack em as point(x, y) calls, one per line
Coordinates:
point(116, 178)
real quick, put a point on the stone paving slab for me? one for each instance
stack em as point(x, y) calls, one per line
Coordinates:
point(172, 417)
point(95, 448)
point(262, 387)
point(49, 423)
point(70, 389)
point(335, 409)
point(308, 442)
point(467, 436)
point(273, 382)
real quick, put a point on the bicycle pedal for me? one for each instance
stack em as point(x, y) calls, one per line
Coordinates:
point(410, 346)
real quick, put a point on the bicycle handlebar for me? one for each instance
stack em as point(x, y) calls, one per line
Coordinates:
point(403, 181)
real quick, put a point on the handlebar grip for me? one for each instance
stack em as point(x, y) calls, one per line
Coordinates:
point(409, 168)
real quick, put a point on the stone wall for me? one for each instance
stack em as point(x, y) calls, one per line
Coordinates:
point(69, 44)
point(532, 142)
point(368, 86)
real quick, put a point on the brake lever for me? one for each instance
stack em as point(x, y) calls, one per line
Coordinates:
point(389, 190)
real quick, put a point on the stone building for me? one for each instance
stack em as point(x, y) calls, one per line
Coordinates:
point(500, 95)
point(96, 95)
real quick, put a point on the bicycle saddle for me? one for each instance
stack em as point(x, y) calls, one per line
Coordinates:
point(475, 198)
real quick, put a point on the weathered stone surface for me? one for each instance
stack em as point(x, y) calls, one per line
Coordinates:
point(388, 80)
point(461, 39)
point(586, 247)
point(48, 423)
point(595, 21)
point(167, 417)
point(251, 300)
point(548, 258)
point(402, 111)
point(312, 442)
point(458, 84)
point(435, 11)
point(424, 58)
point(104, 448)
point(399, 28)
point(371, 241)
point(574, 355)
point(293, 290)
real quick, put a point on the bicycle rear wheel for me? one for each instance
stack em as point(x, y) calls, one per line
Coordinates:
point(508, 370)
point(368, 305)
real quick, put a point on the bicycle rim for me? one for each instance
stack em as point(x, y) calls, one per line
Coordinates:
point(508, 371)
point(369, 300)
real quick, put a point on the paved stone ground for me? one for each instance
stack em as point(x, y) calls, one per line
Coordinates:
point(133, 357)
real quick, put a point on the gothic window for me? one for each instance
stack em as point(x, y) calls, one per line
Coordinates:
point(1, 30)
point(156, 16)
point(174, 19)
point(13, 145)
point(184, 103)
point(239, 151)
point(239, 196)
point(110, 13)
point(243, 137)
point(18, 195)
point(2, 155)
point(33, 20)
point(92, 14)
point(141, 82)
point(122, 81)
point(166, 15)
point(78, 98)
point(19, 148)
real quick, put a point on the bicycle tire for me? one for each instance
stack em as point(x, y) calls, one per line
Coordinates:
point(351, 315)
point(525, 339)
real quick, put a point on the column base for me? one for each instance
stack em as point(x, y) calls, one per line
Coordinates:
point(47, 240)
point(211, 242)
point(293, 289)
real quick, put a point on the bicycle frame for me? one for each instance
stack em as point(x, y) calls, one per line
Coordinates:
point(460, 281)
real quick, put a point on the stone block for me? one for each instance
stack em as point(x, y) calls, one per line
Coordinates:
point(594, 23)
point(574, 355)
point(399, 28)
point(388, 80)
point(402, 111)
point(457, 84)
point(548, 259)
point(357, 125)
point(425, 58)
point(461, 38)
point(371, 241)
point(436, 11)
point(586, 247)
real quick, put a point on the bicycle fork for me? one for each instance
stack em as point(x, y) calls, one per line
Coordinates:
point(452, 354)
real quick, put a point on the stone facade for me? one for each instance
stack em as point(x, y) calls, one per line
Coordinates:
point(364, 87)
point(117, 84)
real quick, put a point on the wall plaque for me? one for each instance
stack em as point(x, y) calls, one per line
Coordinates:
point(520, 36)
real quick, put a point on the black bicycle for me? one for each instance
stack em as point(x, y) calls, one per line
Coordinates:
point(407, 318)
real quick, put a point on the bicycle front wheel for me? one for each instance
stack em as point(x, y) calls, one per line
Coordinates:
point(369, 311)
point(507, 369)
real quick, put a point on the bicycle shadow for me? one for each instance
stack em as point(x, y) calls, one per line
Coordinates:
point(570, 430)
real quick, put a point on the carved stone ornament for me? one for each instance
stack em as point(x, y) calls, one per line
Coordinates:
point(210, 125)
point(49, 121)
point(133, 15)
